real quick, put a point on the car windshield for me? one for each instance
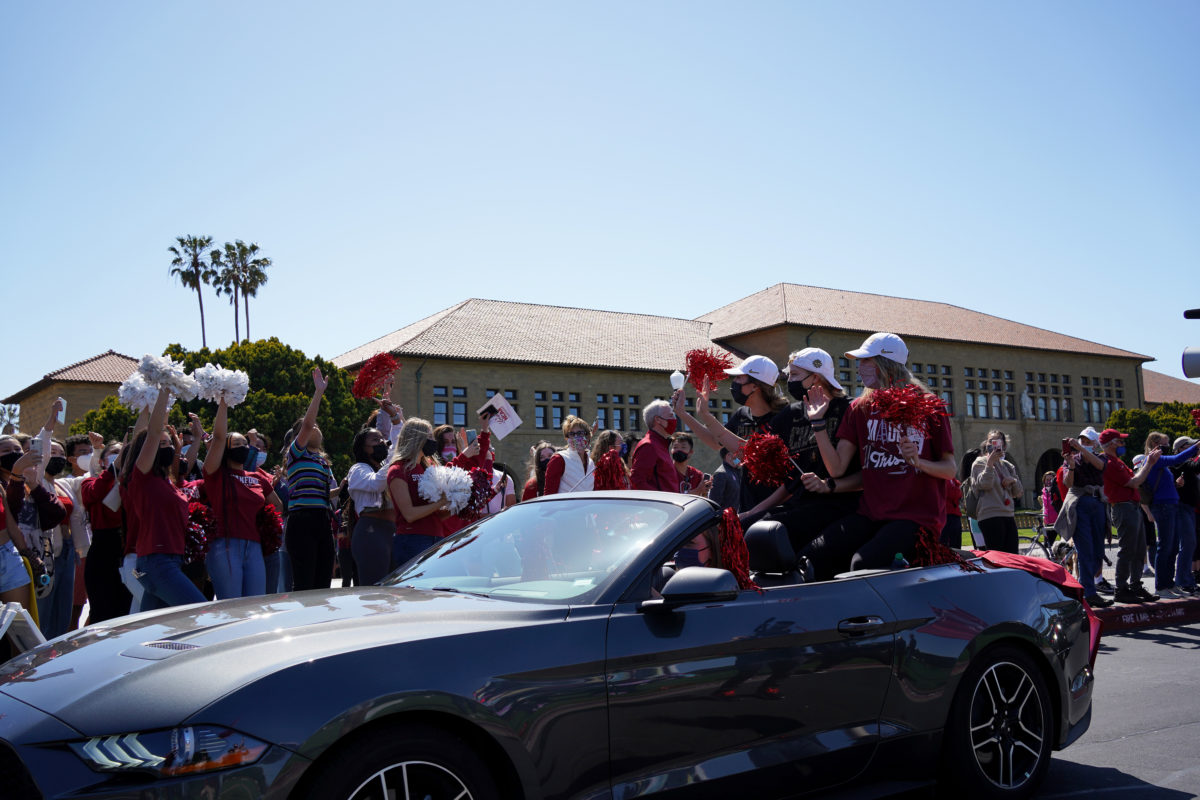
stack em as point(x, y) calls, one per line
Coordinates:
point(563, 551)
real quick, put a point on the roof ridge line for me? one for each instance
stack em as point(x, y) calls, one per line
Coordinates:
point(80, 363)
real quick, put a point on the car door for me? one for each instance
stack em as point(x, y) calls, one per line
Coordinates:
point(751, 697)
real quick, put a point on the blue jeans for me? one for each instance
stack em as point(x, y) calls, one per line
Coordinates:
point(54, 610)
point(271, 566)
point(407, 545)
point(1169, 522)
point(1090, 527)
point(236, 568)
point(163, 582)
point(1185, 525)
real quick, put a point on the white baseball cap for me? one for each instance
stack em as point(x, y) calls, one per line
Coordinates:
point(760, 368)
point(814, 359)
point(1138, 460)
point(1089, 433)
point(888, 345)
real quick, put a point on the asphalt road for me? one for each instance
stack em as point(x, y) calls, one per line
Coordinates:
point(1144, 741)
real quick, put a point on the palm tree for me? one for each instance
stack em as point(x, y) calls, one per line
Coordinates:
point(241, 272)
point(229, 281)
point(188, 265)
point(254, 275)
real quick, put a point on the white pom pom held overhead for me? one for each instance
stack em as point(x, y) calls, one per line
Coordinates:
point(163, 373)
point(215, 382)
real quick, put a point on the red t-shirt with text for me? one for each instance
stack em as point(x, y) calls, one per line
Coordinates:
point(236, 497)
point(162, 514)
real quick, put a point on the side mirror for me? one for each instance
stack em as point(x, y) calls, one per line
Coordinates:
point(694, 585)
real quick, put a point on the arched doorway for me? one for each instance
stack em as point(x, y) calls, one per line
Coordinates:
point(1047, 462)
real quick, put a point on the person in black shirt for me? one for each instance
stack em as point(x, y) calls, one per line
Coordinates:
point(810, 500)
point(1187, 480)
point(759, 399)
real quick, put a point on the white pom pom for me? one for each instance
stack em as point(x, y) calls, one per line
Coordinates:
point(136, 394)
point(162, 372)
point(452, 483)
point(215, 382)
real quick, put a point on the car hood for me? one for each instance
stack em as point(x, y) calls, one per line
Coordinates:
point(173, 662)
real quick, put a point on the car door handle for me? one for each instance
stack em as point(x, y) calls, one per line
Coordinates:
point(857, 626)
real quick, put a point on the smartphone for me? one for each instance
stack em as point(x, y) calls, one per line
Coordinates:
point(35, 446)
point(62, 412)
point(1066, 447)
point(471, 436)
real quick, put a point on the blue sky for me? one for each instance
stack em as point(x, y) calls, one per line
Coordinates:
point(1033, 160)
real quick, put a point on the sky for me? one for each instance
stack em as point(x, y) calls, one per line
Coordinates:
point(1032, 160)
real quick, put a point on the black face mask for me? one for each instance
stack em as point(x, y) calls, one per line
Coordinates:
point(738, 390)
point(55, 465)
point(9, 460)
point(430, 447)
point(543, 463)
point(237, 455)
point(796, 389)
point(679, 456)
point(166, 457)
point(379, 452)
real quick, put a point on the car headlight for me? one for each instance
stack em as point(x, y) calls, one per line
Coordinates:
point(176, 751)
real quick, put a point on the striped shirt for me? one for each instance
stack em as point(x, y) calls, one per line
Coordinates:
point(309, 479)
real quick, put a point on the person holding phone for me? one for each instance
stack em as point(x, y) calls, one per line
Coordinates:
point(996, 483)
point(1176, 523)
point(1082, 518)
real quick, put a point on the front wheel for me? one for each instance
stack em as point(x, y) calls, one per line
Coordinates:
point(1029, 546)
point(415, 761)
point(999, 736)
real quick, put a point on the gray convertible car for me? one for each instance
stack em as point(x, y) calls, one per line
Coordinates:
point(557, 651)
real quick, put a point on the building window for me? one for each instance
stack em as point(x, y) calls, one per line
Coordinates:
point(932, 383)
point(632, 399)
point(945, 369)
point(1087, 411)
point(1008, 387)
point(1107, 409)
point(1067, 390)
point(844, 376)
point(1083, 381)
point(439, 412)
point(995, 386)
point(1108, 381)
point(1008, 374)
point(1120, 394)
point(981, 407)
point(510, 394)
point(1086, 392)
point(574, 411)
point(1066, 378)
point(916, 369)
point(439, 391)
point(556, 416)
point(616, 418)
point(635, 419)
point(602, 418)
point(1010, 407)
point(601, 398)
point(995, 373)
point(460, 414)
point(1042, 377)
point(1068, 416)
point(947, 383)
point(1117, 382)
point(948, 399)
point(539, 394)
point(1041, 390)
point(556, 397)
point(970, 404)
point(970, 384)
point(1041, 408)
point(724, 404)
point(843, 362)
point(724, 417)
point(968, 372)
point(1053, 390)
point(490, 392)
point(460, 391)
point(573, 397)
point(1028, 376)
point(539, 416)
point(616, 398)
point(996, 414)
point(1054, 409)
point(1108, 392)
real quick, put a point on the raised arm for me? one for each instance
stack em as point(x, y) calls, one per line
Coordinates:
point(837, 458)
point(1143, 471)
point(154, 428)
point(216, 448)
point(699, 427)
point(314, 405)
point(197, 443)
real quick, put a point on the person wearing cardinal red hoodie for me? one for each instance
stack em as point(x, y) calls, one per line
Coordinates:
point(652, 467)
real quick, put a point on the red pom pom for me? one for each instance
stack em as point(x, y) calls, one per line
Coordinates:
point(374, 373)
point(1196, 416)
point(270, 529)
point(706, 368)
point(610, 473)
point(766, 459)
point(734, 555)
point(908, 407)
point(481, 493)
point(929, 550)
point(200, 528)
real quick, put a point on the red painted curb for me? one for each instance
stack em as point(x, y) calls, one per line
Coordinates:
point(1149, 615)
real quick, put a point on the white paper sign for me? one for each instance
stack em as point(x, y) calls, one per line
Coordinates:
point(504, 419)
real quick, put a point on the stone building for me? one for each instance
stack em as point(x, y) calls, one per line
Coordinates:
point(1036, 385)
point(83, 385)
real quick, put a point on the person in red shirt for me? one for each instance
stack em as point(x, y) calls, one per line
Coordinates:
point(237, 496)
point(904, 472)
point(571, 469)
point(652, 468)
point(107, 594)
point(418, 522)
point(162, 513)
point(1120, 487)
point(952, 530)
point(539, 458)
point(691, 480)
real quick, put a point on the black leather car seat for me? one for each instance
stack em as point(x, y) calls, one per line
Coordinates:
point(773, 562)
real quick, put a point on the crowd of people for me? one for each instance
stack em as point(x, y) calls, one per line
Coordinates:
point(862, 492)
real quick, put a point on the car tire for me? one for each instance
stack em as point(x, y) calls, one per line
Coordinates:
point(1000, 733)
point(412, 760)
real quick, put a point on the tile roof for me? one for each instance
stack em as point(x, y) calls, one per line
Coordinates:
point(810, 306)
point(495, 330)
point(108, 367)
point(1166, 389)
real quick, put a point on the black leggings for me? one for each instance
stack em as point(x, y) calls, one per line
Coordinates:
point(856, 542)
point(310, 546)
point(999, 533)
point(102, 576)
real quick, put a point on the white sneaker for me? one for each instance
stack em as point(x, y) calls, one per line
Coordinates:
point(1147, 572)
point(1171, 593)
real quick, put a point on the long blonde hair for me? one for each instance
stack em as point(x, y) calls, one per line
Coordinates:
point(891, 373)
point(413, 436)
